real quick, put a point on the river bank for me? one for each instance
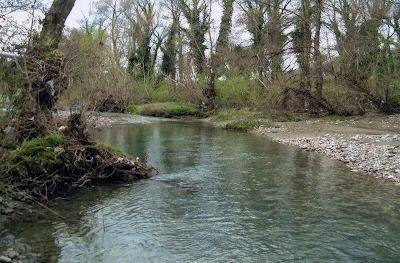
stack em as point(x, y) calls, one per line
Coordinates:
point(368, 145)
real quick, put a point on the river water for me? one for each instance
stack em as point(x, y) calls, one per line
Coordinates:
point(222, 196)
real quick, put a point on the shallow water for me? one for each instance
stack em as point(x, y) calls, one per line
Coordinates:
point(222, 196)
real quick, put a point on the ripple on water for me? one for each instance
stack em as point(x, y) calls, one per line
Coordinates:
point(227, 197)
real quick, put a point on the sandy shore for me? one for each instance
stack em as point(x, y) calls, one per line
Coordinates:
point(369, 144)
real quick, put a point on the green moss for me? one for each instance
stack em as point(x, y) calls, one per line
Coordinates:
point(168, 109)
point(37, 154)
point(110, 149)
point(247, 125)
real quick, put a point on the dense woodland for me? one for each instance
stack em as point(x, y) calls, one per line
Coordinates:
point(337, 56)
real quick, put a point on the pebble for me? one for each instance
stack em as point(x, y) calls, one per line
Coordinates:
point(381, 160)
point(4, 259)
point(11, 253)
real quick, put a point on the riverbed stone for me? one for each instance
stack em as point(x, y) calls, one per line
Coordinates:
point(4, 259)
point(11, 253)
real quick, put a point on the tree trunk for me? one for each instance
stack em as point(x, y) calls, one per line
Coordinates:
point(168, 65)
point(318, 71)
point(46, 80)
point(223, 35)
point(54, 22)
point(225, 26)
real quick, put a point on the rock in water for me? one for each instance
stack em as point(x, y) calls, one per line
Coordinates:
point(4, 259)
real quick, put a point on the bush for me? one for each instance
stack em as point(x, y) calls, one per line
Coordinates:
point(133, 109)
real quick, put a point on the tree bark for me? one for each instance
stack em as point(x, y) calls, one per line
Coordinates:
point(54, 22)
point(225, 26)
point(318, 71)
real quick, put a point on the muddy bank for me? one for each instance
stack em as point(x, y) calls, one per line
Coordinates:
point(369, 145)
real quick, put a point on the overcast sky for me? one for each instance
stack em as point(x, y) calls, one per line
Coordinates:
point(81, 9)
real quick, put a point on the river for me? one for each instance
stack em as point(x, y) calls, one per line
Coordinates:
point(222, 196)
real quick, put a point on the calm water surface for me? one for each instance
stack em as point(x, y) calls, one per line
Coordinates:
point(223, 197)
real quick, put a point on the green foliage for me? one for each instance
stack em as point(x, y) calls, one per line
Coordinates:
point(181, 109)
point(169, 109)
point(239, 91)
point(110, 149)
point(133, 109)
point(247, 125)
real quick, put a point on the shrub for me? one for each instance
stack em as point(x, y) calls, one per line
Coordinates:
point(133, 109)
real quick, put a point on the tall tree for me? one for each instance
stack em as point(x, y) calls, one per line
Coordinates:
point(275, 37)
point(168, 64)
point(197, 16)
point(143, 28)
point(318, 71)
point(302, 42)
point(225, 26)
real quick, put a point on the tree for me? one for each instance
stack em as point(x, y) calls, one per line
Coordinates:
point(168, 65)
point(45, 51)
point(144, 26)
point(358, 42)
point(302, 42)
point(318, 71)
point(264, 20)
point(197, 16)
point(225, 26)
point(222, 44)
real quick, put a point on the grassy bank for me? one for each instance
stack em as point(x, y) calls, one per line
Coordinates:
point(166, 110)
point(232, 119)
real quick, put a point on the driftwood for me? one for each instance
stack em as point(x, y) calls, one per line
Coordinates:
point(112, 104)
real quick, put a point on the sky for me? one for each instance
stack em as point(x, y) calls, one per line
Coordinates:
point(80, 10)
